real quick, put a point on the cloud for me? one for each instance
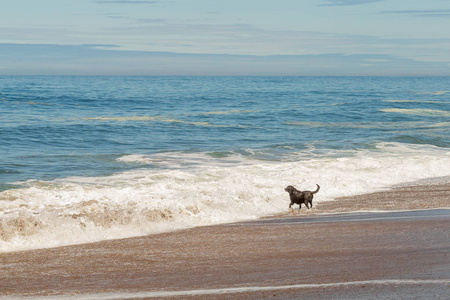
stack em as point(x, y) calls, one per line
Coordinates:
point(40, 59)
point(115, 16)
point(348, 2)
point(160, 35)
point(125, 2)
point(245, 39)
point(153, 35)
point(428, 13)
point(150, 20)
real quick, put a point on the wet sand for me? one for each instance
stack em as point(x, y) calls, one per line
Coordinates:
point(307, 255)
point(401, 198)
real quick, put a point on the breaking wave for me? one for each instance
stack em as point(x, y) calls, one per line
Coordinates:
point(184, 190)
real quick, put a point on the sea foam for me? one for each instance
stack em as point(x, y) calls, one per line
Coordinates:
point(182, 190)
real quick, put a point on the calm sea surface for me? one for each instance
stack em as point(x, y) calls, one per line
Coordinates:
point(159, 146)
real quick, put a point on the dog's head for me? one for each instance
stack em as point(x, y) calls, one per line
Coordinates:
point(290, 189)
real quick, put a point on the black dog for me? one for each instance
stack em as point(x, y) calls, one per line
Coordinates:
point(299, 197)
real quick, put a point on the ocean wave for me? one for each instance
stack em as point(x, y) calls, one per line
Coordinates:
point(29, 102)
point(156, 119)
point(175, 160)
point(32, 102)
point(136, 158)
point(434, 93)
point(371, 125)
point(418, 112)
point(195, 189)
point(414, 101)
point(226, 112)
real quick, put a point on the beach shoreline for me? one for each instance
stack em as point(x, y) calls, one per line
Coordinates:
point(410, 197)
point(308, 253)
point(400, 198)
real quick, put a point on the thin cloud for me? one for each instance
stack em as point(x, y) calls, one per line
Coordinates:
point(429, 13)
point(141, 20)
point(249, 39)
point(23, 59)
point(151, 20)
point(348, 2)
point(125, 2)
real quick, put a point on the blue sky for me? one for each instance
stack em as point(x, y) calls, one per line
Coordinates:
point(209, 37)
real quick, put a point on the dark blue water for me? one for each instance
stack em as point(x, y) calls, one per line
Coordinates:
point(58, 126)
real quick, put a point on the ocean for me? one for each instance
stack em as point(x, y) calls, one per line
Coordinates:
point(89, 158)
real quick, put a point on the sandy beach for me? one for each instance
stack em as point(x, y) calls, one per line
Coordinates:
point(324, 253)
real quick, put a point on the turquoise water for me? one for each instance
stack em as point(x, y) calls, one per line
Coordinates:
point(97, 147)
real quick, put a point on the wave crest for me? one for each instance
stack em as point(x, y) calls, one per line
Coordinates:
point(20, 224)
point(199, 189)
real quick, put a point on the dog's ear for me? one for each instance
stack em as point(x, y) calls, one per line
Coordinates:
point(290, 189)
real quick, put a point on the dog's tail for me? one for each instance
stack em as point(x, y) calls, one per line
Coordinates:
point(318, 188)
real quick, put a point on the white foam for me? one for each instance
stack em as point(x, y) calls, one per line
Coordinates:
point(136, 158)
point(419, 112)
point(197, 190)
